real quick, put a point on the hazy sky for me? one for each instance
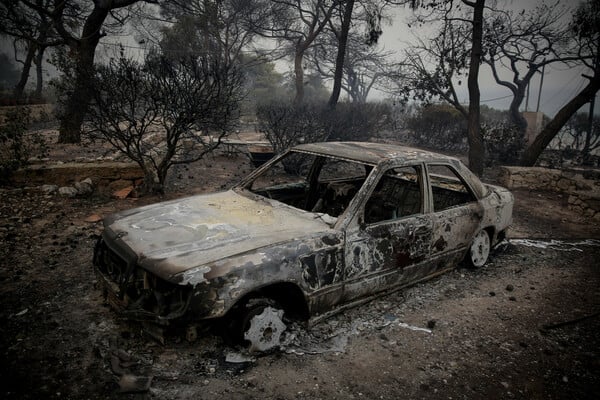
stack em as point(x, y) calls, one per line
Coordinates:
point(560, 84)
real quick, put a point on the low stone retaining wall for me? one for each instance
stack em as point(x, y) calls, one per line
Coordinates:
point(105, 176)
point(581, 185)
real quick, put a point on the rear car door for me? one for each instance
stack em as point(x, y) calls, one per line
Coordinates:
point(456, 212)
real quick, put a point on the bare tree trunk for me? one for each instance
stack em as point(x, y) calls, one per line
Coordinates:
point(476, 148)
point(339, 62)
point(76, 104)
point(299, 72)
point(544, 138)
point(39, 59)
point(515, 115)
point(20, 87)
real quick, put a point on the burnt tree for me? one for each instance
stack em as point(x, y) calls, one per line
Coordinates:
point(82, 50)
point(166, 111)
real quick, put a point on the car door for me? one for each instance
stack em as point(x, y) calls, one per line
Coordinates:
point(456, 214)
point(391, 236)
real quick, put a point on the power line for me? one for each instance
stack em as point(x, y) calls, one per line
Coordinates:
point(496, 98)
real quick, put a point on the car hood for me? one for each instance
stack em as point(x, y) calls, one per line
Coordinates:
point(172, 237)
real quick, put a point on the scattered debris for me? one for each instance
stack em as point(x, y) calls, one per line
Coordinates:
point(238, 358)
point(555, 244)
point(321, 339)
point(134, 384)
point(413, 328)
point(115, 366)
point(22, 312)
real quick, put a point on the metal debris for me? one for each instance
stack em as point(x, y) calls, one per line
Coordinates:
point(21, 313)
point(319, 341)
point(238, 358)
point(554, 244)
point(413, 328)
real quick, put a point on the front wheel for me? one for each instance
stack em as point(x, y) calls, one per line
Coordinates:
point(262, 325)
point(480, 249)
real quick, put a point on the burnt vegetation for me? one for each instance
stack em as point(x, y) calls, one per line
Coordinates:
point(164, 112)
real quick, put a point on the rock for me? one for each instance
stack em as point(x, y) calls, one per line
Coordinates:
point(509, 288)
point(431, 323)
point(93, 218)
point(512, 298)
point(492, 294)
point(49, 189)
point(84, 188)
point(119, 185)
point(123, 193)
point(67, 191)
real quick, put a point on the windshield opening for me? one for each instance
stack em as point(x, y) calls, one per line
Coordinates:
point(315, 183)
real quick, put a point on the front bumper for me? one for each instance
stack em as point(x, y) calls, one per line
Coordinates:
point(135, 293)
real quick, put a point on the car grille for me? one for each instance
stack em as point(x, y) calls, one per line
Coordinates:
point(110, 263)
point(139, 291)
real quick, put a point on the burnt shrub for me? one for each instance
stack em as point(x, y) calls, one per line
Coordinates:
point(286, 124)
point(437, 126)
point(357, 121)
point(16, 144)
point(503, 143)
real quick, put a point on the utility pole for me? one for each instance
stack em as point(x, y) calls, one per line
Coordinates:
point(537, 109)
point(527, 99)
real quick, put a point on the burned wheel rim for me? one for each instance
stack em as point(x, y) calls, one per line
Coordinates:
point(264, 329)
point(480, 249)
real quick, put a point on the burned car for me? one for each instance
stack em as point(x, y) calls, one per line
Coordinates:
point(320, 228)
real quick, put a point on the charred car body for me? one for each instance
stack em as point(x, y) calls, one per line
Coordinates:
point(319, 228)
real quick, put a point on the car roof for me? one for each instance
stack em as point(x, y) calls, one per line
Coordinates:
point(371, 153)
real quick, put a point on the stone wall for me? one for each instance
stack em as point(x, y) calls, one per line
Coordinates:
point(106, 176)
point(581, 185)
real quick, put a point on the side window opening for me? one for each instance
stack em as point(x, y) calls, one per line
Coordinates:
point(448, 189)
point(397, 195)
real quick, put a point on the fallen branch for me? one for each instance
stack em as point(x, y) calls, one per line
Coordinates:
point(570, 322)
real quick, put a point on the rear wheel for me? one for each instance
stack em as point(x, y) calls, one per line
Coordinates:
point(480, 249)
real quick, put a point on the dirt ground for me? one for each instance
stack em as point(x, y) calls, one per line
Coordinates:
point(525, 326)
